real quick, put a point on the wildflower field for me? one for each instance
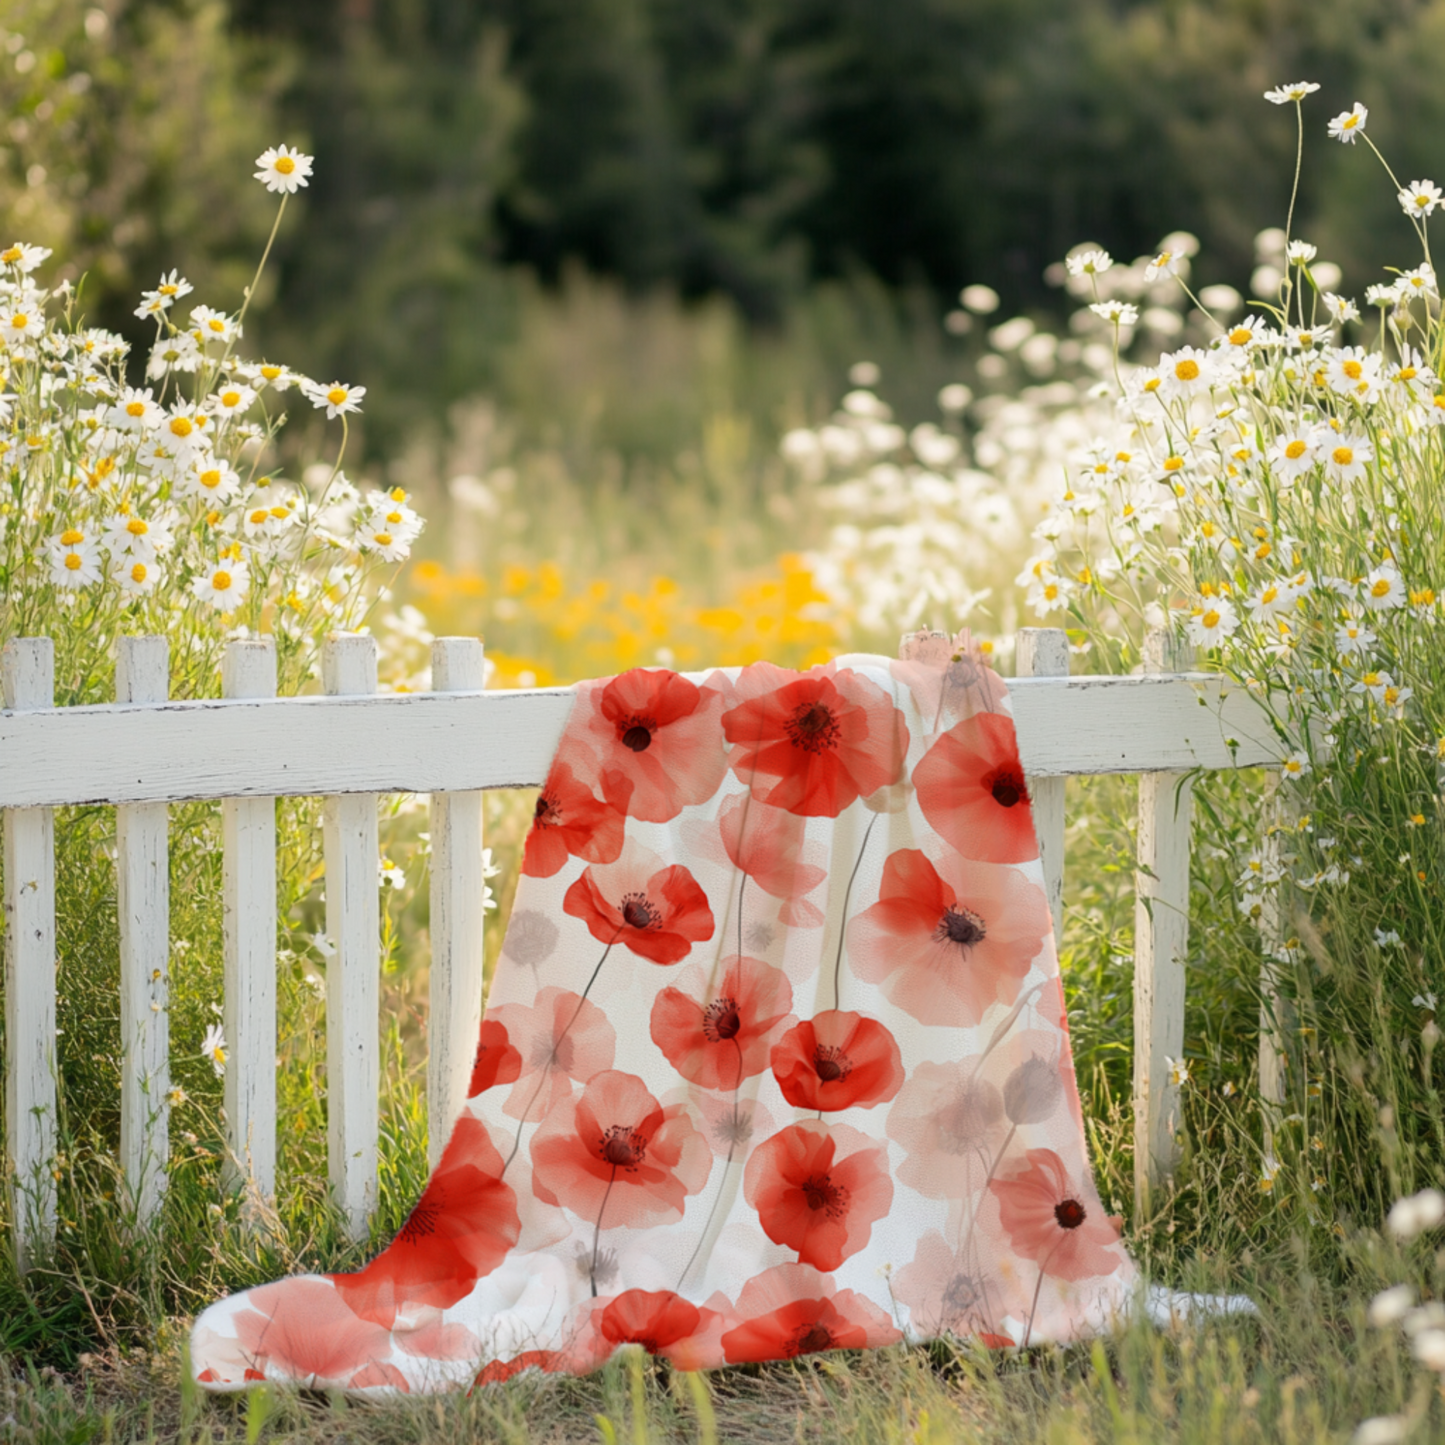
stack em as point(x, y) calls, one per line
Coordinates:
point(1261, 475)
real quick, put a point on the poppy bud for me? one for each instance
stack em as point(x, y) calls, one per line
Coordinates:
point(1033, 1091)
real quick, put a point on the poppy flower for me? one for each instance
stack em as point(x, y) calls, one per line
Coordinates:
point(615, 1146)
point(657, 911)
point(461, 1229)
point(379, 1375)
point(569, 820)
point(946, 942)
point(767, 844)
point(301, 1329)
point(497, 1061)
point(791, 1310)
point(949, 1294)
point(948, 677)
point(813, 744)
point(836, 1060)
point(717, 1037)
point(1053, 1221)
point(657, 731)
point(663, 1323)
point(730, 1123)
point(949, 1120)
point(971, 788)
point(819, 1189)
point(494, 1372)
point(429, 1337)
point(560, 1038)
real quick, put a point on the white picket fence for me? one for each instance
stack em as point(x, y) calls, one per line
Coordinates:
point(349, 745)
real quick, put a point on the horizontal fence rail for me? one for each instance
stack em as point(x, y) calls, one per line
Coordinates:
point(351, 745)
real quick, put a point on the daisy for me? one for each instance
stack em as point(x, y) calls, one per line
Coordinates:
point(1419, 282)
point(283, 169)
point(1375, 684)
point(172, 286)
point(1089, 263)
point(23, 319)
point(1347, 456)
point(1187, 371)
point(1384, 588)
point(1243, 334)
point(1296, 765)
point(1353, 638)
point(25, 258)
point(1352, 371)
point(1271, 599)
point(1294, 92)
point(1292, 455)
point(1348, 124)
point(136, 410)
point(1382, 295)
point(223, 585)
point(1213, 623)
point(130, 536)
point(232, 399)
point(1121, 313)
point(173, 353)
point(213, 1047)
point(1166, 263)
point(211, 477)
point(208, 324)
point(1341, 307)
point(391, 546)
point(280, 378)
point(336, 398)
point(1419, 198)
point(1301, 253)
point(1306, 338)
point(137, 577)
point(74, 562)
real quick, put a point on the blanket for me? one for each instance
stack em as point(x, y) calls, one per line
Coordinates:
point(775, 1059)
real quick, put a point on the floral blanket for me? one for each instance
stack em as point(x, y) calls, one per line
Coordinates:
point(775, 1060)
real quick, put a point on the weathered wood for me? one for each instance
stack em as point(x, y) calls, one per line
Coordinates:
point(1276, 1013)
point(1161, 940)
point(454, 1013)
point(142, 866)
point(353, 972)
point(1044, 652)
point(27, 676)
point(248, 832)
point(427, 742)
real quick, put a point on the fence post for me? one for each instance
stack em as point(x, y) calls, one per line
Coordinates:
point(1161, 940)
point(248, 831)
point(1044, 652)
point(353, 924)
point(454, 1014)
point(27, 675)
point(1276, 1012)
point(142, 866)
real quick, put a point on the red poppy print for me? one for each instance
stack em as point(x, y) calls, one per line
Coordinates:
point(971, 788)
point(950, 1121)
point(716, 1037)
point(1053, 1220)
point(461, 1229)
point(837, 1060)
point(497, 1061)
point(303, 1329)
point(615, 1146)
point(663, 1323)
point(815, 743)
point(946, 942)
point(570, 821)
point(657, 911)
point(767, 844)
point(497, 1371)
point(560, 1039)
point(790, 1311)
point(658, 731)
point(819, 1189)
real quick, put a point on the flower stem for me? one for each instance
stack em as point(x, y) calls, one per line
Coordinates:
point(843, 920)
point(597, 1233)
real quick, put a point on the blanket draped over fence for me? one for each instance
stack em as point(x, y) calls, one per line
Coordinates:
point(775, 1059)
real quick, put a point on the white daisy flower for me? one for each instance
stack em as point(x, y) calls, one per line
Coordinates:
point(284, 169)
point(1270, 600)
point(211, 477)
point(1384, 588)
point(1419, 198)
point(22, 257)
point(1293, 454)
point(1213, 622)
point(1088, 263)
point(1348, 124)
point(231, 399)
point(279, 378)
point(1382, 295)
point(1346, 456)
point(173, 353)
point(213, 1047)
point(1306, 338)
point(131, 536)
point(1166, 263)
point(1296, 765)
point(1353, 638)
point(137, 576)
point(1294, 92)
point(1419, 282)
point(1340, 307)
point(173, 286)
point(392, 546)
point(336, 398)
point(223, 585)
point(136, 410)
point(208, 324)
point(1301, 253)
point(1353, 371)
point(1375, 684)
point(264, 518)
point(74, 562)
point(22, 319)
point(1187, 372)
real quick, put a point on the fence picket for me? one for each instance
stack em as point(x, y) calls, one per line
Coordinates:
point(353, 924)
point(27, 675)
point(248, 830)
point(1161, 940)
point(142, 863)
point(454, 1013)
point(1044, 652)
point(1276, 1012)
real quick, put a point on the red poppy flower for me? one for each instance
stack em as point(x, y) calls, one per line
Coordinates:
point(561, 1037)
point(663, 1323)
point(724, 1040)
point(819, 1189)
point(461, 1229)
point(658, 912)
point(570, 821)
point(497, 1062)
point(945, 943)
point(767, 844)
point(658, 731)
point(814, 743)
point(948, 1293)
point(1050, 1219)
point(496, 1371)
point(971, 788)
point(950, 1121)
point(303, 1329)
point(835, 1060)
point(791, 1310)
point(615, 1145)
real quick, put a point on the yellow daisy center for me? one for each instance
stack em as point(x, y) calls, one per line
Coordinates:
point(1172, 464)
point(1295, 450)
point(11, 255)
point(182, 426)
point(1352, 369)
point(284, 164)
point(1187, 370)
point(135, 408)
point(1381, 588)
point(270, 372)
point(136, 527)
point(221, 581)
point(211, 479)
point(383, 539)
point(1342, 456)
point(139, 572)
point(1211, 618)
point(73, 562)
point(71, 537)
point(336, 395)
point(1240, 336)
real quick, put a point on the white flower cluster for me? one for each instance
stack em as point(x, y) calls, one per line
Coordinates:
point(154, 493)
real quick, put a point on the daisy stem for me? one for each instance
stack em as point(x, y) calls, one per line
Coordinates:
point(597, 1233)
point(842, 928)
point(261, 265)
point(1299, 155)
